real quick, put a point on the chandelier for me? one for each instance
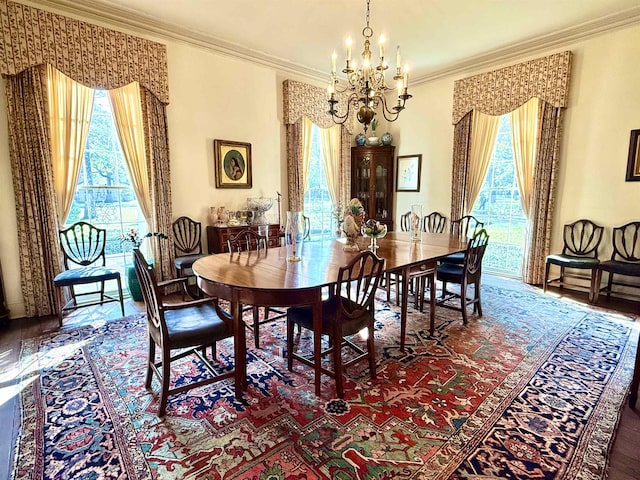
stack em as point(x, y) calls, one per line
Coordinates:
point(366, 87)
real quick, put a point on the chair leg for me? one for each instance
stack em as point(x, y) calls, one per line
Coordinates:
point(256, 326)
point(337, 362)
point(290, 326)
point(463, 300)
point(477, 297)
point(388, 286)
point(561, 277)
point(546, 277)
point(595, 294)
point(609, 284)
point(166, 380)
point(151, 360)
point(371, 350)
point(120, 295)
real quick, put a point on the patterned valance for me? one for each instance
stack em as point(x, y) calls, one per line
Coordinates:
point(94, 56)
point(302, 99)
point(504, 90)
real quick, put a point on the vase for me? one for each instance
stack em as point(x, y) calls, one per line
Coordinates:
point(293, 234)
point(352, 244)
point(361, 139)
point(415, 232)
point(373, 141)
point(213, 216)
point(387, 138)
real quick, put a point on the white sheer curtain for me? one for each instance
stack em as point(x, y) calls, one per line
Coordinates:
point(70, 108)
point(127, 113)
point(484, 129)
point(524, 135)
point(306, 134)
point(331, 155)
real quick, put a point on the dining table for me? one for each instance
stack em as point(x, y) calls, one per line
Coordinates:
point(266, 277)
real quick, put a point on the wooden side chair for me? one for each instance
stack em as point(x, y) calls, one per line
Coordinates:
point(405, 220)
point(434, 223)
point(469, 273)
point(244, 241)
point(187, 248)
point(83, 248)
point(179, 330)
point(345, 313)
point(580, 251)
point(625, 259)
point(464, 227)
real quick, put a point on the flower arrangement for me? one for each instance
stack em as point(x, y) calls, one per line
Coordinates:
point(352, 221)
point(132, 236)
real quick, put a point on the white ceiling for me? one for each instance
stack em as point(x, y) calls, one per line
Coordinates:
point(436, 36)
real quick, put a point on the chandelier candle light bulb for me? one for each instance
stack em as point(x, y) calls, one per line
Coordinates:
point(366, 87)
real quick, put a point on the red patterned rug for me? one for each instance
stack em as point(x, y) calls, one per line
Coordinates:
point(531, 390)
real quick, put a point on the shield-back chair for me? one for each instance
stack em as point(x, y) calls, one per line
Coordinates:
point(625, 259)
point(83, 248)
point(580, 251)
point(187, 248)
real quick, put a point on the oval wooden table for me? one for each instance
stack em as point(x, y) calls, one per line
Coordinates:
point(266, 278)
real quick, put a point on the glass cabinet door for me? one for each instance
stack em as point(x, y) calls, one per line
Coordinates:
point(372, 181)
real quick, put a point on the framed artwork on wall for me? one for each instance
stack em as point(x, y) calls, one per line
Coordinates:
point(232, 164)
point(408, 173)
point(633, 163)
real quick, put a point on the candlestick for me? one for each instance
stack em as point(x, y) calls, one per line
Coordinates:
point(348, 49)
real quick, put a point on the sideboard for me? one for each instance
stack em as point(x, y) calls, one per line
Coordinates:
point(217, 236)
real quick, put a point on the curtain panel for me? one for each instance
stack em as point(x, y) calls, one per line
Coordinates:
point(94, 56)
point(32, 169)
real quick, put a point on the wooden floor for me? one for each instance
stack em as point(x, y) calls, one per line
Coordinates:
point(625, 456)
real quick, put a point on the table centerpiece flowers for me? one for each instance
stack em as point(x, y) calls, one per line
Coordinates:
point(352, 222)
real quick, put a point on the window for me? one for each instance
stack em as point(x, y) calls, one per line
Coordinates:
point(498, 206)
point(104, 196)
point(317, 202)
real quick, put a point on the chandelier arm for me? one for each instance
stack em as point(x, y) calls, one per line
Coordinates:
point(337, 118)
point(388, 115)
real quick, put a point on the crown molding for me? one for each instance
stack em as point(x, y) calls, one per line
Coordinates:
point(515, 51)
point(145, 25)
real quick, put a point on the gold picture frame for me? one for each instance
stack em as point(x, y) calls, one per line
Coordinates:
point(408, 173)
point(633, 163)
point(232, 164)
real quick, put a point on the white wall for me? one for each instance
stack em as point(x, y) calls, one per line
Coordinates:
point(216, 96)
point(604, 102)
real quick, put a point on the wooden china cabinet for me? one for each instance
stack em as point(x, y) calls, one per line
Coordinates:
point(372, 181)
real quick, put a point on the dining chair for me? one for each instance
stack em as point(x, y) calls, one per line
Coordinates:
point(346, 312)
point(179, 330)
point(434, 223)
point(580, 251)
point(625, 260)
point(469, 273)
point(187, 247)
point(83, 249)
point(464, 227)
point(244, 241)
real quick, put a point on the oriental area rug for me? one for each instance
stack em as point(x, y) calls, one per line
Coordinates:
point(533, 389)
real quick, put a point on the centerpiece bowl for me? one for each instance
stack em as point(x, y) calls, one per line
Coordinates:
point(260, 205)
point(374, 230)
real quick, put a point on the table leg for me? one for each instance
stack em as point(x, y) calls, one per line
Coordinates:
point(432, 301)
point(404, 278)
point(317, 340)
point(240, 349)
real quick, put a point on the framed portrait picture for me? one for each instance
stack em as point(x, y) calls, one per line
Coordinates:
point(232, 164)
point(633, 163)
point(408, 173)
